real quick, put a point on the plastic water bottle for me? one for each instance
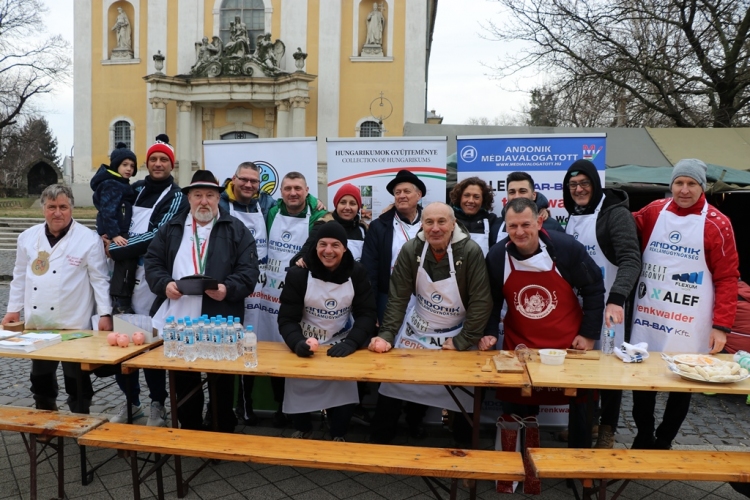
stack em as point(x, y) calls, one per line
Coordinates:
point(250, 348)
point(190, 352)
point(230, 342)
point(216, 339)
point(608, 340)
point(743, 359)
point(240, 333)
point(179, 338)
point(168, 333)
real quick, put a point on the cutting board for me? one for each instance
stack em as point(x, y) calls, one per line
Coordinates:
point(572, 354)
point(507, 365)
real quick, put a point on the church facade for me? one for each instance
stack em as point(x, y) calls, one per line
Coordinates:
point(241, 69)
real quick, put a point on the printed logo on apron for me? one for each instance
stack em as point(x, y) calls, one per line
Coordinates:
point(534, 301)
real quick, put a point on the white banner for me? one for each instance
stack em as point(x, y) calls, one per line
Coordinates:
point(275, 157)
point(371, 163)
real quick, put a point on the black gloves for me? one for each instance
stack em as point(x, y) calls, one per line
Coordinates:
point(342, 349)
point(303, 349)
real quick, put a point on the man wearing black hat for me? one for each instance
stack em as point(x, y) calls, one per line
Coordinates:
point(389, 232)
point(210, 242)
point(329, 303)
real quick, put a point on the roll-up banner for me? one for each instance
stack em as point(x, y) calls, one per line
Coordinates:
point(275, 157)
point(371, 163)
point(546, 157)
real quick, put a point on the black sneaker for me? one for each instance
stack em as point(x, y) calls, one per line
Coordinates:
point(361, 415)
point(251, 420)
point(279, 419)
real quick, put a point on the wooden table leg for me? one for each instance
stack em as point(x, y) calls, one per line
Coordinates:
point(175, 425)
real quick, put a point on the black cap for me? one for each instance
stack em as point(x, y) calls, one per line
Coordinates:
point(406, 176)
point(331, 229)
point(121, 153)
point(203, 179)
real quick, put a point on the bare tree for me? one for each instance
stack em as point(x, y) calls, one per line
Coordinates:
point(684, 60)
point(30, 63)
point(501, 120)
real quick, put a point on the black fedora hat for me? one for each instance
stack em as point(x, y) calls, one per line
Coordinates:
point(406, 176)
point(203, 179)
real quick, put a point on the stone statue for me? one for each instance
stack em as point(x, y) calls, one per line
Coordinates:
point(206, 52)
point(299, 59)
point(374, 41)
point(124, 48)
point(375, 24)
point(213, 59)
point(269, 53)
point(240, 44)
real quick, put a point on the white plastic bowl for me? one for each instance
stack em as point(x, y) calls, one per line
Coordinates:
point(552, 356)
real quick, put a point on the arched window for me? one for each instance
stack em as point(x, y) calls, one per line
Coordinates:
point(370, 129)
point(251, 12)
point(238, 135)
point(122, 133)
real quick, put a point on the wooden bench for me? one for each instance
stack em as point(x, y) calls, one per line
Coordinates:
point(453, 464)
point(682, 465)
point(43, 425)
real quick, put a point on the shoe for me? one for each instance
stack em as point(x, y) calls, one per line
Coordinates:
point(301, 435)
point(50, 403)
point(251, 420)
point(156, 415)
point(643, 442)
point(361, 415)
point(122, 415)
point(606, 438)
point(339, 439)
point(660, 444)
point(279, 419)
point(239, 413)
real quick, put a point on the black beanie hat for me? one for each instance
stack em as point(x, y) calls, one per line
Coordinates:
point(332, 229)
point(121, 153)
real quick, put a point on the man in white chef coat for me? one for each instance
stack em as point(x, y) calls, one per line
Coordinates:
point(60, 280)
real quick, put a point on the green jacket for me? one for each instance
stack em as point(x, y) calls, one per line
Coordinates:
point(471, 275)
point(279, 206)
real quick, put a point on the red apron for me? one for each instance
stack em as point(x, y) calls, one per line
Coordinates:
point(543, 312)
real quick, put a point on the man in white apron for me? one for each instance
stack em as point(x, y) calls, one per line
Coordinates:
point(601, 221)
point(59, 280)
point(329, 302)
point(158, 200)
point(205, 241)
point(289, 223)
point(444, 269)
point(686, 299)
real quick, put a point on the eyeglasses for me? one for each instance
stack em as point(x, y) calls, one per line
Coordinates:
point(244, 180)
point(574, 185)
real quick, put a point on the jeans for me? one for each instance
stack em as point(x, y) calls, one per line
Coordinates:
point(156, 380)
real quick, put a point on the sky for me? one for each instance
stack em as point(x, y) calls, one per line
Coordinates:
point(459, 86)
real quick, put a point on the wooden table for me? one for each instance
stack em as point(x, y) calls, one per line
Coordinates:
point(88, 353)
point(609, 372)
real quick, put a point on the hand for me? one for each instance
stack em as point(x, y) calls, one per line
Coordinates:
point(717, 340)
point(105, 323)
point(487, 342)
point(448, 345)
point(11, 317)
point(342, 349)
point(172, 292)
point(377, 344)
point(301, 263)
point(120, 241)
point(582, 343)
point(614, 313)
point(107, 242)
point(320, 206)
point(313, 343)
point(544, 213)
point(219, 294)
point(303, 349)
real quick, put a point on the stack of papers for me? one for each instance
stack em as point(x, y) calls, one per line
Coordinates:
point(29, 342)
point(6, 335)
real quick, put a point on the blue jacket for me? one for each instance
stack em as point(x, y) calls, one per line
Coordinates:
point(113, 198)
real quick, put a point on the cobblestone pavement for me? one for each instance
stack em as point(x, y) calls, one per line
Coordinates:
point(715, 422)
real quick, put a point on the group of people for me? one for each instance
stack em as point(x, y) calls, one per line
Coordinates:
point(443, 276)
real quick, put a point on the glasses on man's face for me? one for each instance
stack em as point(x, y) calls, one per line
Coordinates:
point(245, 180)
point(574, 185)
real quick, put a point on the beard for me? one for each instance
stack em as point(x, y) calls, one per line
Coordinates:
point(203, 216)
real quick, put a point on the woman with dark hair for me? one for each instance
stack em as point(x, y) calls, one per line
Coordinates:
point(471, 200)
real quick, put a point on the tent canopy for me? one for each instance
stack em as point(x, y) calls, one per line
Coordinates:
point(722, 178)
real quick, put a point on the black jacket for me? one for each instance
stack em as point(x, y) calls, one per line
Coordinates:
point(292, 298)
point(113, 198)
point(574, 265)
point(232, 259)
point(474, 223)
point(173, 204)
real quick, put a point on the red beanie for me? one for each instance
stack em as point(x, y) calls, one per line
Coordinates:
point(161, 146)
point(347, 189)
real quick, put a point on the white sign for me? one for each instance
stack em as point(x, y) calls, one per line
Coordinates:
point(275, 157)
point(371, 163)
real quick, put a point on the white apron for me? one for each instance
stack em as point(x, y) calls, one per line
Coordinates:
point(184, 265)
point(355, 246)
point(583, 229)
point(673, 312)
point(285, 239)
point(483, 239)
point(328, 318)
point(436, 315)
point(501, 234)
point(402, 233)
point(142, 299)
point(255, 222)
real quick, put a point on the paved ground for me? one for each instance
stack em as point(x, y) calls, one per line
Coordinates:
point(718, 422)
